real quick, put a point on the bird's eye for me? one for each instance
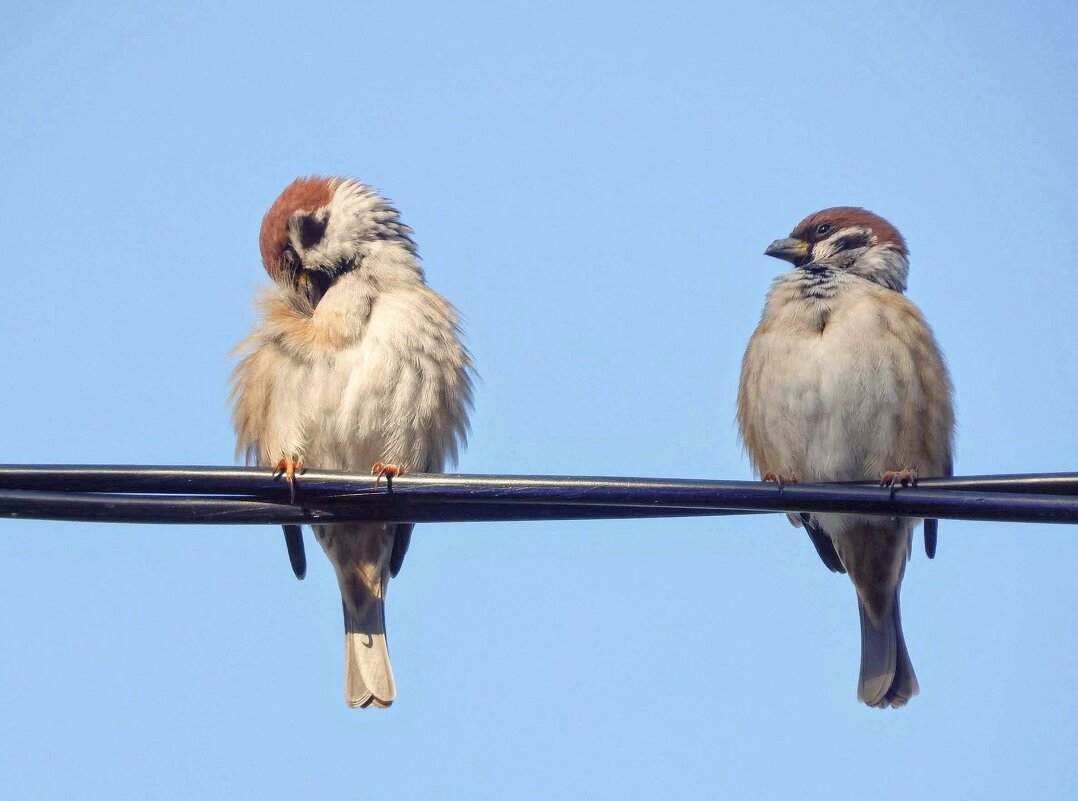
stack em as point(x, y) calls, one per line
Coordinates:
point(290, 263)
point(823, 229)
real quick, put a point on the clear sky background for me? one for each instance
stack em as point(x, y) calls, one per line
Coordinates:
point(593, 186)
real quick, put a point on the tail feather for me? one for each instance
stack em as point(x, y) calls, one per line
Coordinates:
point(368, 674)
point(887, 678)
point(297, 556)
point(361, 555)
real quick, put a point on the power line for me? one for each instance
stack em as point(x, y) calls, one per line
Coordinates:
point(218, 495)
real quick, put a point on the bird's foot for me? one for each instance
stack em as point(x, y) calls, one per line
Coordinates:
point(289, 467)
point(894, 479)
point(387, 471)
point(779, 478)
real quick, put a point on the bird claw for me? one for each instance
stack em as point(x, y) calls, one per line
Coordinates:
point(899, 478)
point(388, 471)
point(288, 467)
point(780, 479)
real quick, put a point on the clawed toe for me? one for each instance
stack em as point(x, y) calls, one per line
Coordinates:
point(388, 471)
point(779, 478)
point(289, 467)
point(894, 479)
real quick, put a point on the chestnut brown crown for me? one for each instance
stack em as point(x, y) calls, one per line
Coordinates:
point(824, 224)
point(302, 195)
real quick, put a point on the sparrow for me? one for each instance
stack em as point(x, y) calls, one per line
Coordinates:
point(843, 381)
point(355, 363)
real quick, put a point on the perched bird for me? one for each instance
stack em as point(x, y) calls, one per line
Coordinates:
point(843, 380)
point(355, 363)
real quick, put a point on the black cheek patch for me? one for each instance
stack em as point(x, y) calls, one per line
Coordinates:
point(311, 231)
point(853, 241)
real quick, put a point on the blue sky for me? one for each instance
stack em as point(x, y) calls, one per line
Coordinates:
point(593, 186)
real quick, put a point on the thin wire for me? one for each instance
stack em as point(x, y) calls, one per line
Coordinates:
point(161, 494)
point(263, 482)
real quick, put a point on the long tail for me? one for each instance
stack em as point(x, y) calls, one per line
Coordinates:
point(887, 678)
point(368, 674)
point(361, 554)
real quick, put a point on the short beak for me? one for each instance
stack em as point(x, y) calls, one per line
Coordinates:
point(311, 286)
point(791, 250)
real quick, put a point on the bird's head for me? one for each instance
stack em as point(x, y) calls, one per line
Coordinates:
point(851, 239)
point(321, 229)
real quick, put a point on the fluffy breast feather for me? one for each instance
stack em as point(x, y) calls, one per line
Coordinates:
point(368, 377)
point(864, 392)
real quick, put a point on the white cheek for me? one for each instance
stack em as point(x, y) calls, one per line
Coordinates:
point(823, 250)
point(830, 246)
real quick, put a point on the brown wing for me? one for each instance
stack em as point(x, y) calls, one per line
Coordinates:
point(933, 418)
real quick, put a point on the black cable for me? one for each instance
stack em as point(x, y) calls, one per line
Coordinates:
point(256, 481)
point(253, 495)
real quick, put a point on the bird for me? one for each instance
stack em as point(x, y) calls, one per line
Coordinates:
point(355, 364)
point(843, 380)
